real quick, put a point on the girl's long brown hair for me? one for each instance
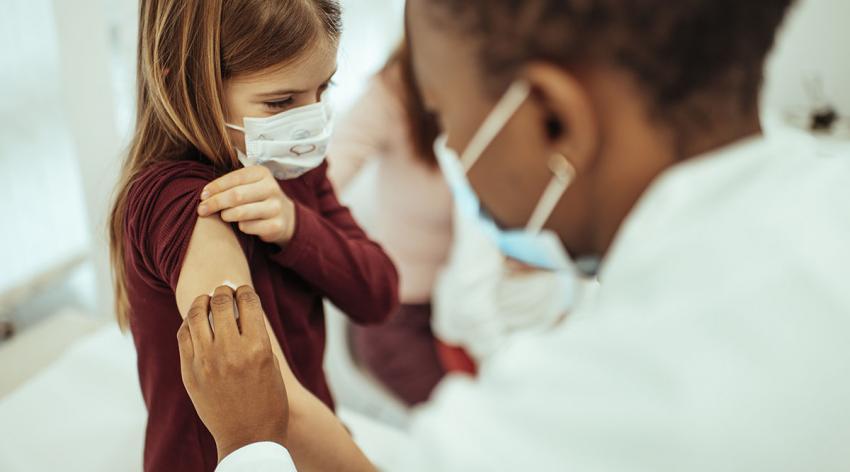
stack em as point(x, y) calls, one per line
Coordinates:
point(187, 49)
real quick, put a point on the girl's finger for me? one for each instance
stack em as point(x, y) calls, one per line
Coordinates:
point(245, 176)
point(237, 196)
point(262, 228)
point(252, 211)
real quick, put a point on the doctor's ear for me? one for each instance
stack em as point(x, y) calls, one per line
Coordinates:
point(568, 111)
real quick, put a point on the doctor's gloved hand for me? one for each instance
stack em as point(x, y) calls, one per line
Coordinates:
point(231, 373)
point(252, 198)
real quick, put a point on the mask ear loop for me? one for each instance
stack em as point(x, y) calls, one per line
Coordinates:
point(495, 122)
point(563, 175)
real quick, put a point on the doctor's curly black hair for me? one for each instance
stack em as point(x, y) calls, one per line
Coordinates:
point(683, 53)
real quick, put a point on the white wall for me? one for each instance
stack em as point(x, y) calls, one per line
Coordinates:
point(41, 197)
point(814, 43)
point(371, 31)
point(87, 80)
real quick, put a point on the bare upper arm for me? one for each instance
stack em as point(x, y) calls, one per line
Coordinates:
point(213, 257)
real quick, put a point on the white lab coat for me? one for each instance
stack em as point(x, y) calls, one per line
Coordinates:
point(718, 341)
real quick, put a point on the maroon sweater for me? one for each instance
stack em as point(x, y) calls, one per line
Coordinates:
point(329, 257)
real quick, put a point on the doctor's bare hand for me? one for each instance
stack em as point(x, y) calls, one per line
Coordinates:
point(230, 372)
point(252, 198)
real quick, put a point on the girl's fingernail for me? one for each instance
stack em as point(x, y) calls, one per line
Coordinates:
point(202, 209)
point(205, 194)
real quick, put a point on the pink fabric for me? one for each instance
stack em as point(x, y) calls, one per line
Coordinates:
point(407, 206)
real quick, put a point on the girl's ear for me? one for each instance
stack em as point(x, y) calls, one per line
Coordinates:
point(569, 113)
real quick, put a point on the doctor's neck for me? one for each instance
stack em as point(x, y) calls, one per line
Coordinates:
point(727, 122)
point(642, 140)
point(701, 122)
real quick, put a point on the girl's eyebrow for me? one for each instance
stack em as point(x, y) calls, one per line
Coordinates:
point(278, 93)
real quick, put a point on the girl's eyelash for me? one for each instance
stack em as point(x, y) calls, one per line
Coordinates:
point(280, 103)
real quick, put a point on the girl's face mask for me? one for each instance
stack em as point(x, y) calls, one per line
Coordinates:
point(291, 143)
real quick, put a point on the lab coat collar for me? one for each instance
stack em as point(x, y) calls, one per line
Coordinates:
point(668, 193)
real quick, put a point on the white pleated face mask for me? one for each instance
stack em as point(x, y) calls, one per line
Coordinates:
point(289, 144)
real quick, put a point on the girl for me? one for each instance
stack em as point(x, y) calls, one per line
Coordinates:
point(225, 84)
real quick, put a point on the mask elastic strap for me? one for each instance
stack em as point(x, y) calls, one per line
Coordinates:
point(234, 127)
point(495, 122)
point(564, 173)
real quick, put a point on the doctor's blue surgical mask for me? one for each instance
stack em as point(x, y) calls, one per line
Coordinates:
point(532, 245)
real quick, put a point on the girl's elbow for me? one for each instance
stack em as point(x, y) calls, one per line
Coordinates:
point(380, 306)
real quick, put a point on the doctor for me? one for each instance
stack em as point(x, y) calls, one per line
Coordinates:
point(718, 340)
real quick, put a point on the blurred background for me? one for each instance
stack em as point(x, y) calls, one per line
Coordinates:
point(66, 110)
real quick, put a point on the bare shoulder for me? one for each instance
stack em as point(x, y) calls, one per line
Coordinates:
point(214, 256)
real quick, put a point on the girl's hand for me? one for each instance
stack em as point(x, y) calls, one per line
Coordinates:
point(252, 198)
